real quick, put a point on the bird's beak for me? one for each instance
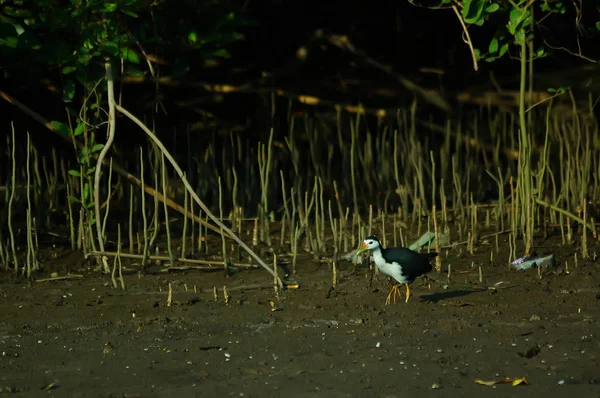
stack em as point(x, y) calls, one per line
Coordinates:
point(362, 249)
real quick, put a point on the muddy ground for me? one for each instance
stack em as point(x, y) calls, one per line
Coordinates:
point(84, 338)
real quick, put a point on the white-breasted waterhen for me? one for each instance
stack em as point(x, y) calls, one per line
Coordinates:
point(401, 263)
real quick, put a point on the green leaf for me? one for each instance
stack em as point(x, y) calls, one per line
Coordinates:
point(86, 191)
point(96, 148)
point(503, 49)
point(541, 52)
point(130, 13)
point(110, 47)
point(110, 7)
point(129, 55)
point(68, 91)
point(193, 37)
point(493, 47)
point(68, 69)
point(472, 10)
point(519, 36)
point(80, 129)
point(74, 199)
point(492, 8)
point(518, 19)
point(90, 171)
point(598, 25)
point(17, 12)
point(8, 35)
point(61, 128)
point(74, 173)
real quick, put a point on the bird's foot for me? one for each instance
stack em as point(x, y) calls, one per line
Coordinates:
point(395, 292)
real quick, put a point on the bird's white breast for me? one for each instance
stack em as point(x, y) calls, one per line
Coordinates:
point(393, 269)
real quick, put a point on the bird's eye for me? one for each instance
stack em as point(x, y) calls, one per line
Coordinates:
point(370, 242)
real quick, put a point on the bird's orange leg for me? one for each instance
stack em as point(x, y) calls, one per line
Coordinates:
point(407, 293)
point(393, 293)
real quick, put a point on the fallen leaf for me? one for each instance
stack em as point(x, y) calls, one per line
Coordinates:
point(513, 382)
point(520, 381)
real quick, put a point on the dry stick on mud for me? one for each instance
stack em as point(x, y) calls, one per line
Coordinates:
point(191, 190)
point(118, 169)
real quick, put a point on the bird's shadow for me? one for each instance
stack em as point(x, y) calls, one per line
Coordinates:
point(436, 297)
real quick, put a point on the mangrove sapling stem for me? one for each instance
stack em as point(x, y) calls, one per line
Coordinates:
point(144, 216)
point(13, 184)
point(190, 189)
point(334, 232)
point(317, 214)
point(438, 260)
point(114, 267)
point(70, 213)
point(206, 236)
point(108, 195)
point(322, 223)
point(185, 224)
point(112, 124)
point(193, 232)
point(433, 181)
point(234, 192)
point(4, 254)
point(163, 171)
point(264, 163)
point(524, 169)
point(511, 250)
point(275, 277)
point(81, 245)
point(255, 233)
point(130, 228)
point(286, 209)
point(513, 215)
point(284, 222)
point(223, 241)
point(155, 214)
point(293, 219)
point(584, 248)
point(384, 239)
point(295, 247)
point(444, 205)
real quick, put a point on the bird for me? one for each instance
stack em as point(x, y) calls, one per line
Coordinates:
point(401, 263)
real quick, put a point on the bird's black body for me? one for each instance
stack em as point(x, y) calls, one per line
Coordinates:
point(413, 264)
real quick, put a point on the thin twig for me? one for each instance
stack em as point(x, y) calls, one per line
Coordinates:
point(467, 35)
point(218, 264)
point(191, 190)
